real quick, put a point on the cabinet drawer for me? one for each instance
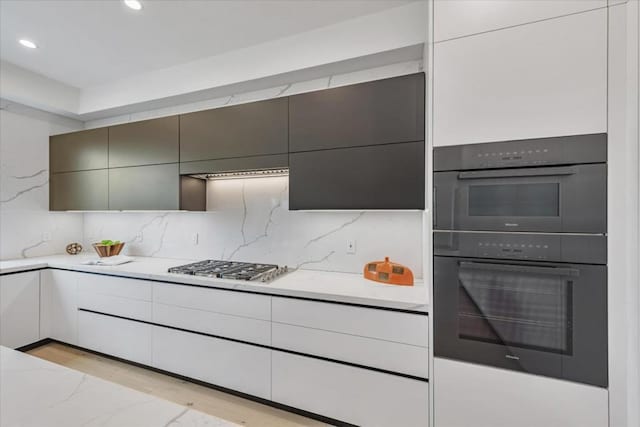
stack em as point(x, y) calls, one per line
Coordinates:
point(240, 367)
point(224, 325)
point(119, 306)
point(375, 177)
point(390, 356)
point(350, 394)
point(117, 337)
point(384, 325)
point(123, 287)
point(114, 295)
point(214, 300)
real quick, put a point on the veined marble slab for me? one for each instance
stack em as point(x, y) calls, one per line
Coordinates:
point(37, 393)
point(322, 285)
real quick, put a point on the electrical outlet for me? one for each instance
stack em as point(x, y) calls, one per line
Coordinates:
point(194, 238)
point(351, 246)
point(46, 236)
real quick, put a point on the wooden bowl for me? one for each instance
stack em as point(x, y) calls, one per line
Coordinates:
point(108, 250)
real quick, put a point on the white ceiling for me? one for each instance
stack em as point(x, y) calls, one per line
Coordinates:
point(89, 43)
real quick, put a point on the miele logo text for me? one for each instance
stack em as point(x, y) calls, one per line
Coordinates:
point(510, 224)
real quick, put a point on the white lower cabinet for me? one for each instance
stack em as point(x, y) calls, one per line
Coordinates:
point(466, 395)
point(369, 352)
point(354, 395)
point(59, 305)
point(122, 338)
point(115, 295)
point(242, 367)
point(19, 309)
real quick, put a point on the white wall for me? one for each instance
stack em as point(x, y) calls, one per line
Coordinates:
point(249, 219)
point(25, 219)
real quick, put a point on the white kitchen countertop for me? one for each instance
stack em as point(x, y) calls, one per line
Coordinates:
point(36, 393)
point(321, 285)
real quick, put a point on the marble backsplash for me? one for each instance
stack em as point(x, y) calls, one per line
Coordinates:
point(27, 228)
point(248, 219)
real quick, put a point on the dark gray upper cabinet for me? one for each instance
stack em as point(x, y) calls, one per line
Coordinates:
point(77, 151)
point(155, 187)
point(254, 129)
point(377, 112)
point(148, 142)
point(83, 190)
point(374, 177)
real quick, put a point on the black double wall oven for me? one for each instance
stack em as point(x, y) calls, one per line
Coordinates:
point(520, 254)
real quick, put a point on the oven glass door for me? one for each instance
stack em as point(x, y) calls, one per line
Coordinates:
point(551, 199)
point(533, 317)
point(516, 306)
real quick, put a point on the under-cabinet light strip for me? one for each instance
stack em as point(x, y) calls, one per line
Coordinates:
point(247, 174)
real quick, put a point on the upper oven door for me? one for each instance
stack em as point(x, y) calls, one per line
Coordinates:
point(543, 318)
point(569, 199)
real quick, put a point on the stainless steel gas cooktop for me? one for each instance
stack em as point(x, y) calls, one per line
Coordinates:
point(231, 270)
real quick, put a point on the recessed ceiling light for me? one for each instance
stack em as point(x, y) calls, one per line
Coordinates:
point(133, 4)
point(27, 43)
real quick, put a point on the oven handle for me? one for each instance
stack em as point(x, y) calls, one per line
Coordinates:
point(515, 173)
point(555, 271)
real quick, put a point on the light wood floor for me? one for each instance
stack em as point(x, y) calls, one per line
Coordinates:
point(214, 402)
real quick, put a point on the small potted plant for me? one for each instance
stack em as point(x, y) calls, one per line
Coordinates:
point(107, 248)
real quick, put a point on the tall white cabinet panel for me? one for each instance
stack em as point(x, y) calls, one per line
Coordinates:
point(465, 393)
point(19, 309)
point(237, 366)
point(539, 80)
point(59, 305)
point(114, 336)
point(459, 18)
point(355, 395)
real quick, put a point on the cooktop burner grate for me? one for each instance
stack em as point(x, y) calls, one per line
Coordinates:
point(231, 270)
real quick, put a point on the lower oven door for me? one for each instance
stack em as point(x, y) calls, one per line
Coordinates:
point(542, 318)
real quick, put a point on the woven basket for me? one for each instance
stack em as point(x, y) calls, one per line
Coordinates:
point(107, 250)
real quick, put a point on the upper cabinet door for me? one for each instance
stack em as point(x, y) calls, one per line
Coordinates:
point(460, 18)
point(377, 177)
point(537, 80)
point(154, 187)
point(254, 129)
point(82, 190)
point(378, 112)
point(144, 143)
point(79, 151)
